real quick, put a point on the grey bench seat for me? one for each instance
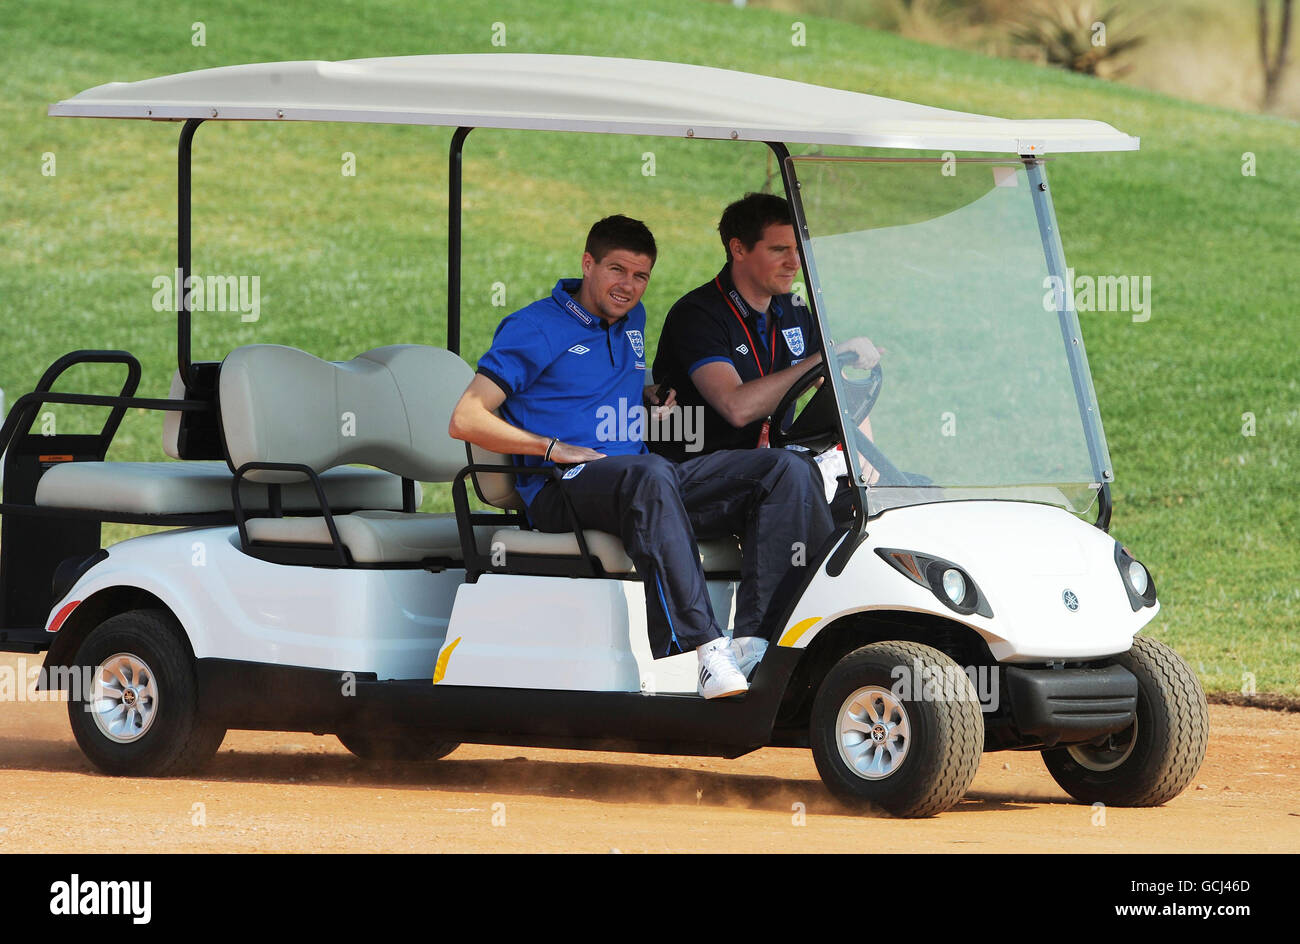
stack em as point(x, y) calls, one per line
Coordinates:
point(386, 537)
point(194, 487)
point(717, 556)
point(388, 407)
point(280, 404)
point(374, 536)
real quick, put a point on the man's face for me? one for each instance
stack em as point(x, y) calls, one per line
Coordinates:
point(614, 285)
point(772, 263)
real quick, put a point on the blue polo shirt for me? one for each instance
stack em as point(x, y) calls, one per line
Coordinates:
point(714, 323)
point(568, 373)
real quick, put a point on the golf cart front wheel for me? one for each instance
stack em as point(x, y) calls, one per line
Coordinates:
point(897, 725)
point(1153, 760)
point(138, 714)
point(389, 748)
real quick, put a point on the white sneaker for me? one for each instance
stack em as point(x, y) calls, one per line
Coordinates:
point(719, 675)
point(748, 651)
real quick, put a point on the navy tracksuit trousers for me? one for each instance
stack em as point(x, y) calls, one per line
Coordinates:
point(771, 499)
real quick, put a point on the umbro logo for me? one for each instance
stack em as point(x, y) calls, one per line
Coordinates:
point(578, 349)
point(743, 349)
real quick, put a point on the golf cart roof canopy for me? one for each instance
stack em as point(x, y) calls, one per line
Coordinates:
point(578, 93)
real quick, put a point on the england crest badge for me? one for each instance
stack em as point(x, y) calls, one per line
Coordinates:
point(638, 343)
point(794, 340)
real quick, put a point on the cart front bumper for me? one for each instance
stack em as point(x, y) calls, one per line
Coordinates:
point(1071, 706)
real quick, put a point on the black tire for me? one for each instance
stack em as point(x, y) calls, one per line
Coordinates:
point(395, 748)
point(1167, 741)
point(945, 735)
point(176, 740)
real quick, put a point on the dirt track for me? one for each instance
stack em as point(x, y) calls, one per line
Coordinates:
point(271, 792)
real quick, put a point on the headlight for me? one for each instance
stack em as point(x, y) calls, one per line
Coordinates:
point(946, 580)
point(1139, 586)
point(1137, 576)
point(954, 584)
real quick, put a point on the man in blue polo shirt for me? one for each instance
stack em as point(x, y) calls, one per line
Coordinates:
point(555, 371)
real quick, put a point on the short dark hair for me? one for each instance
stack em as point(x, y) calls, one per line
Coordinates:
point(620, 232)
point(749, 216)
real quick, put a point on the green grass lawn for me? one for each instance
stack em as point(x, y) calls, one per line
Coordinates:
point(349, 263)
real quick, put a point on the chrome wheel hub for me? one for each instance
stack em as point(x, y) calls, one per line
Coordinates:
point(124, 701)
point(873, 732)
point(1108, 756)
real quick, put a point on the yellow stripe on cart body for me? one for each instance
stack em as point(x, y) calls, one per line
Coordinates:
point(792, 634)
point(440, 669)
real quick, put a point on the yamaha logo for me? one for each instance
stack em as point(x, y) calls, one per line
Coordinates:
point(1071, 600)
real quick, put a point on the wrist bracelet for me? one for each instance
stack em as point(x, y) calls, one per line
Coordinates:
point(549, 447)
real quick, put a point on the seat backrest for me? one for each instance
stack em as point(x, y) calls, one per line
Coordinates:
point(389, 408)
point(497, 488)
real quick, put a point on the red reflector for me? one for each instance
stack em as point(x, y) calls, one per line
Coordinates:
point(54, 458)
point(62, 615)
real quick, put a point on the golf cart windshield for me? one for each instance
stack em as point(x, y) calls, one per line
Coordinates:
point(984, 389)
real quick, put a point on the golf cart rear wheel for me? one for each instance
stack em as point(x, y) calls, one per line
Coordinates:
point(900, 744)
point(387, 748)
point(1155, 759)
point(140, 715)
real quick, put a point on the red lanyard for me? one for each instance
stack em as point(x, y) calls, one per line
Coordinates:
point(771, 348)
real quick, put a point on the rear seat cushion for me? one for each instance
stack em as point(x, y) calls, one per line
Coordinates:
point(717, 556)
point(376, 537)
point(175, 488)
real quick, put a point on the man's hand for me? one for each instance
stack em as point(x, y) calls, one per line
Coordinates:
point(651, 394)
point(564, 454)
point(868, 355)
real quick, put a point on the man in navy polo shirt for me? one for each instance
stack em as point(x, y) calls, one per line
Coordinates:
point(555, 371)
point(736, 344)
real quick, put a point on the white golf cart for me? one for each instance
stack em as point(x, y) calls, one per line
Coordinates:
point(968, 607)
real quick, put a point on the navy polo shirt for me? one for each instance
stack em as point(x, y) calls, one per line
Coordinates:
point(568, 373)
point(714, 323)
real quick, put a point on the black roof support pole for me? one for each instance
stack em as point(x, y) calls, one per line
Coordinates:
point(183, 246)
point(840, 558)
point(453, 239)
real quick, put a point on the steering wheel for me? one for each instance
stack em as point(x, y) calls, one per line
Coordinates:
point(817, 425)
